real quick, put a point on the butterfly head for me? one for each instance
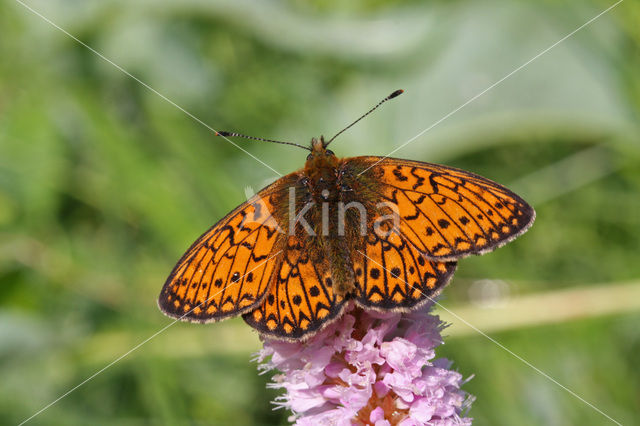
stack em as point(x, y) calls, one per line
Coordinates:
point(319, 151)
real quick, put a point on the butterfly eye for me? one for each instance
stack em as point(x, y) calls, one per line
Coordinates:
point(329, 152)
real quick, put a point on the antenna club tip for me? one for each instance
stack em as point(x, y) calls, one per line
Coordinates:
point(396, 93)
point(223, 133)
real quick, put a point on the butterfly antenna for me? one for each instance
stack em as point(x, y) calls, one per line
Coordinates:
point(388, 98)
point(233, 134)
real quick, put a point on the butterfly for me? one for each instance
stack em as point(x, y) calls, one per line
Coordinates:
point(383, 233)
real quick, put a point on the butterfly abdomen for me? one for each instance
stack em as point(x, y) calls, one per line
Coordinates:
point(343, 278)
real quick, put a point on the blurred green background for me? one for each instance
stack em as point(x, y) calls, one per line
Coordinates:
point(104, 184)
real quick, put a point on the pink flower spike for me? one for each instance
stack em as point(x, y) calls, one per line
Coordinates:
point(369, 368)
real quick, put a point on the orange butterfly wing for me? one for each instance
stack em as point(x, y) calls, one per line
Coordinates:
point(228, 270)
point(445, 213)
point(392, 275)
point(301, 300)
